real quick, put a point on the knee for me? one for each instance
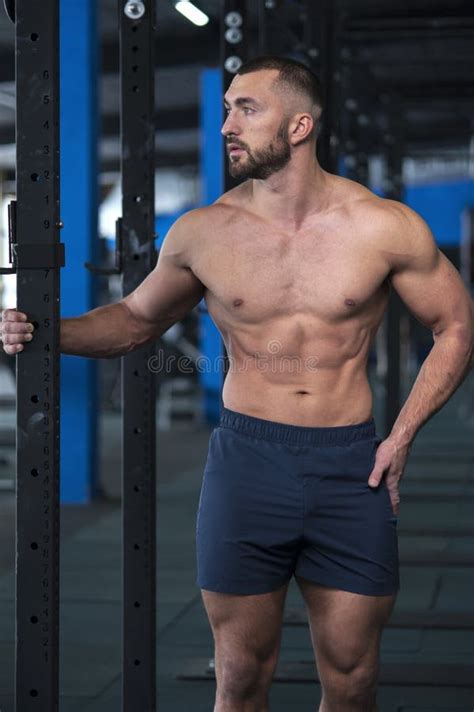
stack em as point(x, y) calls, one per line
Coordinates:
point(356, 687)
point(243, 676)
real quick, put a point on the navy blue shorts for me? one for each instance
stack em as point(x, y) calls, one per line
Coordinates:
point(278, 500)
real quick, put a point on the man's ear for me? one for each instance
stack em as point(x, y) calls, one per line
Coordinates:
point(301, 128)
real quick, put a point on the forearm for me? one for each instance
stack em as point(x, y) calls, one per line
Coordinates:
point(104, 332)
point(442, 372)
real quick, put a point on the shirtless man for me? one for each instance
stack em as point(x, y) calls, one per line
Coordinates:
point(295, 265)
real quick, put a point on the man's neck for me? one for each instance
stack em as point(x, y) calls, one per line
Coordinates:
point(290, 196)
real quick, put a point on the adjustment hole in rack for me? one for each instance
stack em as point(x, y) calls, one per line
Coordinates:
point(136, 604)
point(135, 68)
point(34, 619)
point(34, 36)
point(136, 489)
point(135, 89)
point(134, 28)
point(33, 693)
point(35, 177)
point(136, 663)
point(34, 399)
point(136, 257)
point(35, 324)
point(134, 48)
point(34, 545)
point(138, 431)
point(136, 547)
point(34, 472)
point(136, 373)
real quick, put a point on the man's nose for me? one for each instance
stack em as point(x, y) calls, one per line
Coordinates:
point(229, 127)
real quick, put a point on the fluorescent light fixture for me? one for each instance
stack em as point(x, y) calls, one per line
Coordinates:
point(192, 13)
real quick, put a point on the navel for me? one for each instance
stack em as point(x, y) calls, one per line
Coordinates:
point(349, 302)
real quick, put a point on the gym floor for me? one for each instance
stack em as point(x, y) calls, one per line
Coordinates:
point(427, 660)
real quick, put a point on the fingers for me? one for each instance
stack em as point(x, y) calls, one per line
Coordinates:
point(376, 475)
point(15, 331)
point(13, 315)
point(16, 327)
point(12, 350)
point(394, 500)
point(374, 481)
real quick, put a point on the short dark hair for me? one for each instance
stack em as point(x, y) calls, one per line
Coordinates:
point(295, 74)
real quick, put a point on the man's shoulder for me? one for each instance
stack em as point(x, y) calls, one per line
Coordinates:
point(209, 220)
point(198, 221)
point(194, 231)
point(397, 232)
point(220, 210)
point(391, 213)
point(378, 212)
point(233, 200)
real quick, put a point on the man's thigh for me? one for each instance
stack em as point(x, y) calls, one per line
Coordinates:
point(246, 625)
point(345, 627)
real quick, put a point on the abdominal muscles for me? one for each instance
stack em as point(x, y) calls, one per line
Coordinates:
point(300, 371)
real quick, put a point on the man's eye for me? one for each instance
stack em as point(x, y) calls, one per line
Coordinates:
point(247, 110)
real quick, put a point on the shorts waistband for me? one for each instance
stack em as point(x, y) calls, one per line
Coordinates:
point(296, 434)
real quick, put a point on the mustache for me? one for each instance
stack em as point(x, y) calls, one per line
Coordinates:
point(236, 143)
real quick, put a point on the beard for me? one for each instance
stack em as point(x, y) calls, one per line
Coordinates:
point(263, 163)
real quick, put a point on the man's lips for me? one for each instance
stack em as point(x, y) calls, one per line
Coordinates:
point(234, 148)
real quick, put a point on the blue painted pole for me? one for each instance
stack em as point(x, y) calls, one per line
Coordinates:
point(212, 176)
point(79, 119)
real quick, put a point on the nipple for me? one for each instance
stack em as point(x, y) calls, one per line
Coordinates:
point(238, 302)
point(349, 302)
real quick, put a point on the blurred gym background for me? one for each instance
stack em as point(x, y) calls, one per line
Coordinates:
point(399, 78)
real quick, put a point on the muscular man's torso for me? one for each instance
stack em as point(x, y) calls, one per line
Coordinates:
point(297, 310)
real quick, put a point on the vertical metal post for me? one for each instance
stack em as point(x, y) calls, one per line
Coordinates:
point(271, 15)
point(359, 133)
point(322, 41)
point(234, 52)
point(394, 191)
point(263, 8)
point(137, 227)
point(392, 376)
point(38, 258)
point(467, 247)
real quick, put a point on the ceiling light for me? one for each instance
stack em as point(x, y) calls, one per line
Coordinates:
point(192, 13)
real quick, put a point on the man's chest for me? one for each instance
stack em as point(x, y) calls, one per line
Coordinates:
point(262, 276)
